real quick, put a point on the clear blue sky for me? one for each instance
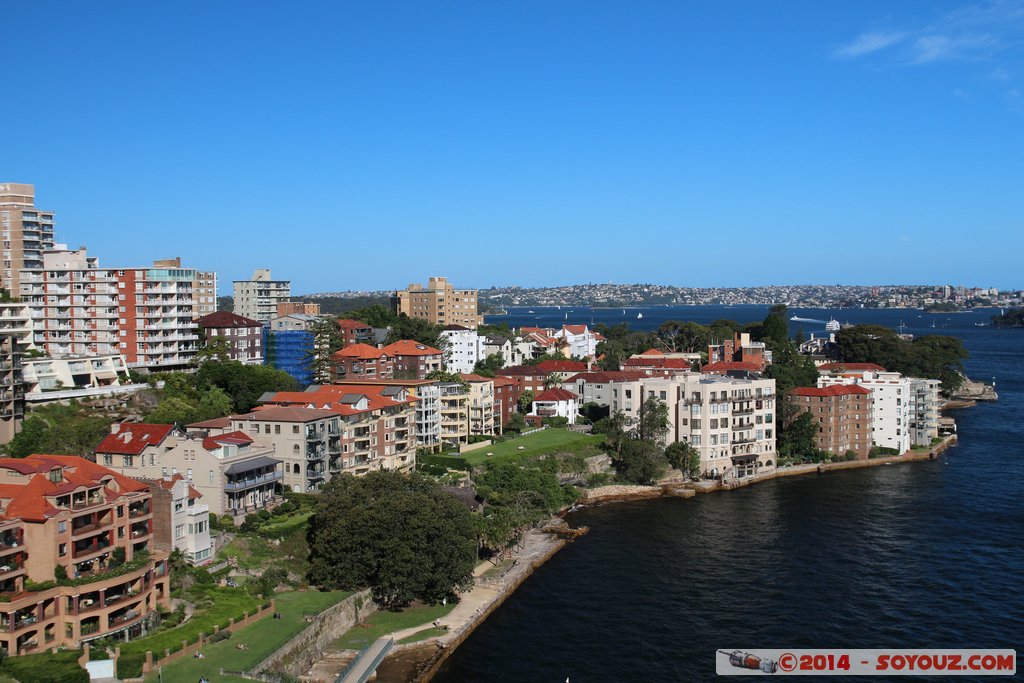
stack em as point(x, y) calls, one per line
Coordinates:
point(366, 145)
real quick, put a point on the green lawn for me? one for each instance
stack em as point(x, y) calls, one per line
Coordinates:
point(261, 638)
point(383, 623)
point(538, 443)
point(283, 526)
point(422, 635)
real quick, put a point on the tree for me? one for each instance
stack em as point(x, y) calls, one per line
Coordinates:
point(516, 423)
point(375, 316)
point(653, 423)
point(526, 401)
point(799, 438)
point(417, 329)
point(934, 356)
point(615, 428)
point(173, 410)
point(675, 336)
point(401, 536)
point(552, 380)
point(327, 339)
point(790, 368)
point(683, 457)
point(486, 367)
point(775, 328)
point(215, 348)
point(244, 384)
point(640, 462)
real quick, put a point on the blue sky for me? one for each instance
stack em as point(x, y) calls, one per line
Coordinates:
point(367, 145)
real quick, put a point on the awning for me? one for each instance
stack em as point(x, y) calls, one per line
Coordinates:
point(252, 464)
point(106, 374)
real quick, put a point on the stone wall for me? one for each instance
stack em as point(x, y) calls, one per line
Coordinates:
point(307, 647)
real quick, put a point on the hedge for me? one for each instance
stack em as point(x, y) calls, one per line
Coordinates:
point(61, 667)
point(129, 665)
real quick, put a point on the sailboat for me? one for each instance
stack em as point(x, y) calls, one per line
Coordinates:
point(639, 315)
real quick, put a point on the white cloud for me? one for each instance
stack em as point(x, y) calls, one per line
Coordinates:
point(866, 43)
point(934, 48)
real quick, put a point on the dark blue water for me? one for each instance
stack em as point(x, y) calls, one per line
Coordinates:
point(925, 554)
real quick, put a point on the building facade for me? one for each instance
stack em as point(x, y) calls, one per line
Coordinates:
point(464, 350)
point(52, 374)
point(244, 335)
point(414, 360)
point(361, 362)
point(258, 297)
point(80, 309)
point(439, 302)
point(180, 521)
point(205, 288)
point(27, 233)
point(892, 402)
point(843, 416)
point(355, 332)
point(66, 520)
point(15, 339)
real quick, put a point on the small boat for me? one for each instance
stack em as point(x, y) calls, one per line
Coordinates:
point(639, 315)
point(833, 325)
point(979, 324)
point(529, 311)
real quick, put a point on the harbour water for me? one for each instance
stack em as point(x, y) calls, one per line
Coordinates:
point(925, 554)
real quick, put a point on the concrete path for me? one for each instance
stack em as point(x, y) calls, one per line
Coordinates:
point(366, 665)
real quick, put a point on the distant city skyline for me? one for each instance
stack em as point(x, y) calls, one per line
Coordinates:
point(364, 147)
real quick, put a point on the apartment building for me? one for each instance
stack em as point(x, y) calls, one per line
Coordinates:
point(580, 341)
point(739, 349)
point(481, 404)
point(355, 332)
point(205, 288)
point(15, 339)
point(596, 387)
point(244, 335)
point(513, 350)
point(892, 403)
point(439, 302)
point(657, 363)
point(556, 402)
point(426, 397)
point(234, 474)
point(414, 360)
point(62, 512)
point(80, 309)
point(506, 401)
point(306, 440)
point(376, 423)
point(843, 415)
point(297, 307)
point(528, 377)
point(362, 362)
point(924, 417)
point(26, 230)
point(180, 521)
point(258, 297)
point(92, 372)
point(465, 348)
point(289, 344)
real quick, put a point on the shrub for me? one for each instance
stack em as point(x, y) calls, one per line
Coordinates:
point(599, 479)
point(219, 636)
point(129, 665)
point(60, 667)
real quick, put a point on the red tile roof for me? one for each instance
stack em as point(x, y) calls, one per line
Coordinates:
point(168, 484)
point(667, 363)
point(222, 319)
point(133, 437)
point(236, 438)
point(555, 394)
point(470, 377)
point(291, 409)
point(500, 381)
point(561, 366)
point(653, 352)
point(519, 370)
point(28, 501)
point(359, 351)
point(730, 365)
point(215, 423)
point(833, 390)
point(409, 347)
point(327, 399)
point(575, 329)
point(852, 367)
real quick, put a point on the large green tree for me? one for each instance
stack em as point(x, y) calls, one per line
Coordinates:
point(931, 356)
point(403, 537)
point(652, 424)
point(798, 438)
point(641, 462)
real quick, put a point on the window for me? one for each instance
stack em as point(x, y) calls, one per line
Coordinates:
point(62, 549)
point(188, 472)
point(211, 476)
point(62, 527)
point(108, 459)
point(179, 531)
point(277, 429)
point(126, 461)
point(152, 460)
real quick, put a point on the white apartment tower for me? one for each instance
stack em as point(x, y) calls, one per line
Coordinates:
point(258, 298)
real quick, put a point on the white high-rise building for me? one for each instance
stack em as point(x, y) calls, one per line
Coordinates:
point(465, 348)
point(258, 298)
point(892, 400)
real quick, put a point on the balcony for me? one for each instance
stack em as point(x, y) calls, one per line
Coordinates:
point(742, 426)
point(745, 411)
point(252, 482)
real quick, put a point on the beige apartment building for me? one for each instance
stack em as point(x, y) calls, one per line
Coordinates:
point(234, 474)
point(205, 288)
point(258, 297)
point(439, 302)
point(466, 409)
point(27, 232)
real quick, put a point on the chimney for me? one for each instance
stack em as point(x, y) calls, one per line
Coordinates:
point(115, 428)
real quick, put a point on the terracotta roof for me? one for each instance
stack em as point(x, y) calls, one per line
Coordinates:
point(575, 329)
point(409, 347)
point(168, 483)
point(349, 324)
point(562, 366)
point(455, 328)
point(555, 394)
point(226, 319)
point(470, 377)
point(730, 365)
point(133, 437)
point(215, 423)
point(328, 399)
point(518, 370)
point(28, 501)
point(287, 413)
point(855, 367)
point(833, 390)
point(503, 382)
point(360, 351)
point(652, 352)
point(212, 443)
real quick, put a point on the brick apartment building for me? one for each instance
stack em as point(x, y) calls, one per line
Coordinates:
point(414, 360)
point(843, 415)
point(245, 335)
